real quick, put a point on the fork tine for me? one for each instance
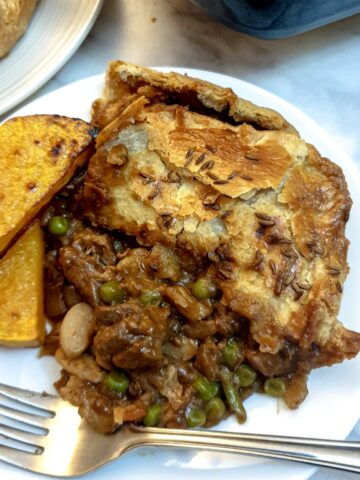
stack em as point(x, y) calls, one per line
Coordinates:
point(39, 400)
point(24, 417)
point(26, 460)
point(23, 436)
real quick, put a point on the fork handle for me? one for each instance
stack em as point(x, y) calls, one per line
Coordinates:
point(326, 453)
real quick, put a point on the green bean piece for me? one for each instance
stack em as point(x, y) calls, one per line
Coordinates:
point(111, 292)
point(232, 395)
point(58, 226)
point(152, 417)
point(195, 417)
point(203, 289)
point(275, 387)
point(150, 297)
point(246, 376)
point(205, 389)
point(117, 381)
point(232, 353)
point(215, 409)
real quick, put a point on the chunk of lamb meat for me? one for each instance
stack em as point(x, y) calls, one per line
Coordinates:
point(96, 246)
point(200, 330)
point(285, 361)
point(97, 409)
point(186, 304)
point(228, 323)
point(88, 262)
point(111, 314)
point(208, 360)
point(104, 413)
point(223, 321)
point(134, 342)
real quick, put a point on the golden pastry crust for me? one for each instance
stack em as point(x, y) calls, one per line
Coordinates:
point(263, 205)
point(184, 173)
point(125, 81)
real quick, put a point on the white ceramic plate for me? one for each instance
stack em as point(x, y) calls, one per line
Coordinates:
point(56, 31)
point(332, 407)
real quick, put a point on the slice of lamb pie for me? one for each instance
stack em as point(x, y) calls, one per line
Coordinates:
point(188, 164)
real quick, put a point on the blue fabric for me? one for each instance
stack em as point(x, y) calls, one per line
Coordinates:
point(278, 18)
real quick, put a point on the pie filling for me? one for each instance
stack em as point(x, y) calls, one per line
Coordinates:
point(200, 258)
point(163, 349)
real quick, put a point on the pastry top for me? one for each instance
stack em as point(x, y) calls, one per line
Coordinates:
point(125, 79)
point(15, 16)
point(261, 204)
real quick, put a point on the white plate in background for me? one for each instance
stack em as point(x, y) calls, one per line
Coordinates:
point(332, 408)
point(55, 32)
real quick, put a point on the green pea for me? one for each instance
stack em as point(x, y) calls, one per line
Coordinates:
point(111, 292)
point(203, 289)
point(232, 353)
point(215, 409)
point(150, 297)
point(205, 389)
point(275, 387)
point(195, 417)
point(117, 381)
point(246, 375)
point(232, 395)
point(58, 226)
point(153, 416)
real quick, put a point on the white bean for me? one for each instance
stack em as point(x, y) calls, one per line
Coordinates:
point(76, 329)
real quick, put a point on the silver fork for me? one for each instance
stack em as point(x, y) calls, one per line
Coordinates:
point(52, 439)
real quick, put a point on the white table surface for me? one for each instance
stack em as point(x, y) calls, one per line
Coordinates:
point(318, 71)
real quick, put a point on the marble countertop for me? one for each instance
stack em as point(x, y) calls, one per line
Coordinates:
point(318, 71)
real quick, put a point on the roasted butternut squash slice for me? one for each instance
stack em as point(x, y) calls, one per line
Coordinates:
point(22, 321)
point(38, 156)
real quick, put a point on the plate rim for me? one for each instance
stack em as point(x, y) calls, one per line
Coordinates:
point(63, 56)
